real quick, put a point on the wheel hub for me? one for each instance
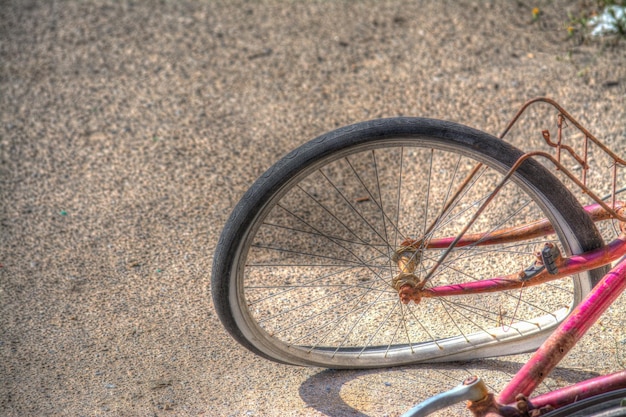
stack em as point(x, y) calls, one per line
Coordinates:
point(406, 282)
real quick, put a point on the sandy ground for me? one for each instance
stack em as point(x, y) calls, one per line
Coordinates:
point(129, 129)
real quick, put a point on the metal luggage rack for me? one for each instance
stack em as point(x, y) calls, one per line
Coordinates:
point(563, 118)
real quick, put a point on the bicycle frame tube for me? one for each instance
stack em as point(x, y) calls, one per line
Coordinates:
point(565, 337)
point(516, 234)
point(582, 390)
point(456, 240)
point(583, 316)
point(568, 266)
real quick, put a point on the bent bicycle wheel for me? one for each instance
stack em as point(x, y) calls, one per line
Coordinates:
point(304, 270)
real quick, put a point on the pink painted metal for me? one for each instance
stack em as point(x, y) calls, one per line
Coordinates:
point(566, 266)
point(566, 335)
point(583, 316)
point(582, 390)
point(569, 266)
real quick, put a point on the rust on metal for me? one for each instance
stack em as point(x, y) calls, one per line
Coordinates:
point(407, 258)
point(582, 317)
point(567, 116)
point(532, 230)
point(497, 189)
point(572, 177)
point(566, 266)
point(564, 116)
point(523, 407)
point(489, 407)
point(411, 288)
point(582, 161)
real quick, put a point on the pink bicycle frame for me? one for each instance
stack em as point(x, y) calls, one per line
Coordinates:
point(566, 266)
point(556, 347)
point(562, 340)
point(572, 329)
point(568, 333)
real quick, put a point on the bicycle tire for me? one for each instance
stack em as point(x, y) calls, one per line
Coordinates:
point(609, 404)
point(252, 274)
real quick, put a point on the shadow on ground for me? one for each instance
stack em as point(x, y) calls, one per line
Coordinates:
point(361, 393)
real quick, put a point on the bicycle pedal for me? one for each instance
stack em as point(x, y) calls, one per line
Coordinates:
point(550, 254)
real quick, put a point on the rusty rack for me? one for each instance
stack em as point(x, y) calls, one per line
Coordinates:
point(556, 161)
point(581, 160)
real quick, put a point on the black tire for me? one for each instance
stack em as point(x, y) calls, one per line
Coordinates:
point(269, 236)
point(609, 404)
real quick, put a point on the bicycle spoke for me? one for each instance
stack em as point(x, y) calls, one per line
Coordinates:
point(384, 217)
point(353, 208)
point(320, 269)
point(312, 255)
point(337, 238)
point(399, 194)
point(427, 199)
point(382, 323)
point(341, 246)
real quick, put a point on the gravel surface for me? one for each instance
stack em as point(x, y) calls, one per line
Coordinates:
point(129, 130)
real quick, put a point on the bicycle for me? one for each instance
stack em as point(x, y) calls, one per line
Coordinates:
point(410, 240)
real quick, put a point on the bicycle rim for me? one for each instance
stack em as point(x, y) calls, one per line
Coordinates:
point(311, 278)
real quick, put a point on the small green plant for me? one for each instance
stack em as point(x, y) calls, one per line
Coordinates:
point(597, 18)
